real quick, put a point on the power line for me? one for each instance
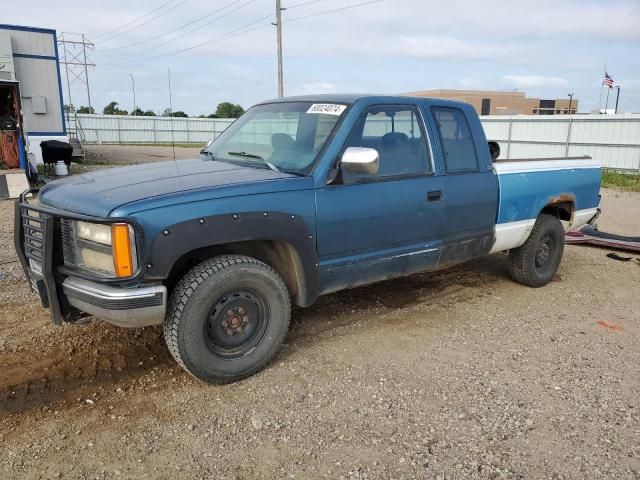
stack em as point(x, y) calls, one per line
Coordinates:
point(134, 20)
point(239, 31)
point(113, 10)
point(279, 35)
point(231, 34)
point(215, 19)
point(302, 4)
point(145, 22)
point(332, 11)
point(191, 22)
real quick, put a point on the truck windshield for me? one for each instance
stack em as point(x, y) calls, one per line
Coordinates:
point(282, 136)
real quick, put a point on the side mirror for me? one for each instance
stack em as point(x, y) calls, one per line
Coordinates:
point(207, 146)
point(360, 160)
point(494, 150)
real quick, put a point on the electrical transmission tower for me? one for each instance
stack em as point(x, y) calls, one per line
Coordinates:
point(75, 50)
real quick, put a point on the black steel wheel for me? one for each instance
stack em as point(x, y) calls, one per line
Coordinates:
point(227, 318)
point(547, 245)
point(237, 323)
point(536, 262)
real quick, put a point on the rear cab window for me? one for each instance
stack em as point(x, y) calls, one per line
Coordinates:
point(458, 147)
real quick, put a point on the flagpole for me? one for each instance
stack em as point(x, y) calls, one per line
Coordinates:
point(601, 87)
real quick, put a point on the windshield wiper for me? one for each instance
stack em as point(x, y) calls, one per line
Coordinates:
point(207, 153)
point(257, 157)
point(245, 154)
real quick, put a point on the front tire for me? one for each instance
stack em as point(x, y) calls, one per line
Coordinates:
point(227, 318)
point(536, 262)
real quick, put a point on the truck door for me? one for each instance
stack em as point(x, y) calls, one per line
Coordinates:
point(377, 226)
point(471, 201)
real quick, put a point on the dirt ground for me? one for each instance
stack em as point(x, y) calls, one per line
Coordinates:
point(126, 155)
point(454, 375)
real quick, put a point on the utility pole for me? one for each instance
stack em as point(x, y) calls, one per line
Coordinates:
point(617, 98)
point(279, 40)
point(76, 61)
point(133, 87)
point(570, 101)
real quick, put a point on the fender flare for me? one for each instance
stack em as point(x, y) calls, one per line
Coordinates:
point(177, 240)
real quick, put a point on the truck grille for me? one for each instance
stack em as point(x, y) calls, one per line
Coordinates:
point(67, 245)
point(33, 227)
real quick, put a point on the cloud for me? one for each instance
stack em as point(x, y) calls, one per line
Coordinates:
point(388, 46)
point(534, 81)
point(449, 48)
point(610, 20)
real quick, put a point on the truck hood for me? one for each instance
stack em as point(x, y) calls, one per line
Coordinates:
point(99, 193)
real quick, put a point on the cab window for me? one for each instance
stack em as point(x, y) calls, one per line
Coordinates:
point(396, 133)
point(456, 140)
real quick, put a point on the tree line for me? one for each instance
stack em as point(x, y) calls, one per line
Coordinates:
point(223, 110)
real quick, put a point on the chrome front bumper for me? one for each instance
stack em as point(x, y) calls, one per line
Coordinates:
point(124, 307)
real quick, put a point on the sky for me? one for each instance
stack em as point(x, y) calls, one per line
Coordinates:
point(224, 50)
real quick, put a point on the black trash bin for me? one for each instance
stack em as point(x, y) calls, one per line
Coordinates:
point(54, 150)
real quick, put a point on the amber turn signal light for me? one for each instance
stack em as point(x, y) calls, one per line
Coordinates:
point(122, 254)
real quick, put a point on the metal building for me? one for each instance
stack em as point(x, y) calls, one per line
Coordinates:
point(30, 56)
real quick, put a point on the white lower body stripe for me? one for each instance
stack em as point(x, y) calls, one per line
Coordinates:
point(513, 234)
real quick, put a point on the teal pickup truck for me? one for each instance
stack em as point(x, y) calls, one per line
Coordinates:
point(298, 198)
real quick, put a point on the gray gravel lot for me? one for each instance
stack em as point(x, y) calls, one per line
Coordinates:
point(454, 375)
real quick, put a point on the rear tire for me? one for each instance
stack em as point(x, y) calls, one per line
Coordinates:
point(227, 318)
point(536, 262)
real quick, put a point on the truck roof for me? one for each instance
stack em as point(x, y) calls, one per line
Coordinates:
point(325, 98)
point(349, 98)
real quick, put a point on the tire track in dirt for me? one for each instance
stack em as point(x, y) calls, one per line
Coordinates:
point(35, 377)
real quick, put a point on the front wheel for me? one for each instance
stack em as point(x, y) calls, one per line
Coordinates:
point(536, 262)
point(227, 318)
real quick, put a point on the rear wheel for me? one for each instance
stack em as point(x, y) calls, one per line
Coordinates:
point(536, 262)
point(227, 318)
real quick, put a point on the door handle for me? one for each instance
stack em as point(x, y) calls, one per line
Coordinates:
point(434, 196)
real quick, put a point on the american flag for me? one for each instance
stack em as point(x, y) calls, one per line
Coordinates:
point(608, 81)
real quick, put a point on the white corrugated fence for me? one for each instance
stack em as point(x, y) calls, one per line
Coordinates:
point(130, 129)
point(613, 139)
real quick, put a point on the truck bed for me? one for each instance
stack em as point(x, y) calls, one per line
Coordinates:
point(526, 186)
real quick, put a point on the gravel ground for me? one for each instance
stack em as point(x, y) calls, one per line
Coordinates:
point(458, 374)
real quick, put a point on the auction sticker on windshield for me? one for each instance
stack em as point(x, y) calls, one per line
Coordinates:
point(327, 108)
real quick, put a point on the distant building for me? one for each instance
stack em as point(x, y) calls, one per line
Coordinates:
point(504, 103)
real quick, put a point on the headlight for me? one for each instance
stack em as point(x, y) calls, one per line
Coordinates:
point(94, 232)
point(106, 250)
